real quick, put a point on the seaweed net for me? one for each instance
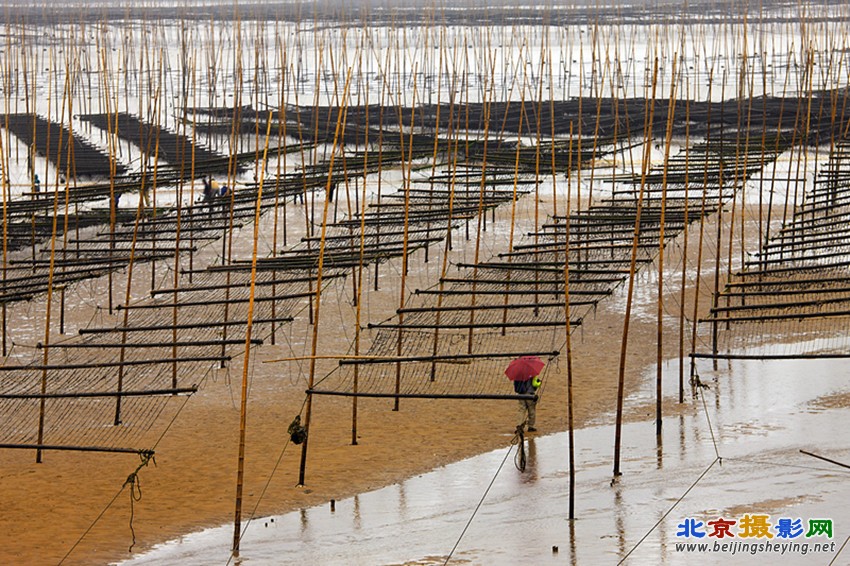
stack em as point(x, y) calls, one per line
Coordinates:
point(129, 375)
point(454, 340)
point(792, 297)
point(109, 387)
point(170, 344)
point(144, 236)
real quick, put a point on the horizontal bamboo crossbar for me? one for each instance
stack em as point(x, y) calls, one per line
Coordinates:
point(442, 357)
point(243, 285)
point(784, 316)
point(59, 447)
point(88, 394)
point(786, 305)
point(422, 395)
point(183, 344)
point(208, 302)
point(601, 293)
point(185, 326)
point(535, 323)
point(731, 356)
point(509, 306)
point(125, 363)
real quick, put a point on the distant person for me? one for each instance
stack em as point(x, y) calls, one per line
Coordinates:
point(31, 158)
point(36, 184)
point(208, 190)
point(224, 192)
point(527, 414)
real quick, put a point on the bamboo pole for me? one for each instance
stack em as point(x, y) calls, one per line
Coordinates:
point(659, 320)
point(46, 342)
point(570, 414)
point(243, 407)
point(621, 381)
point(281, 138)
point(130, 268)
point(319, 273)
point(684, 247)
point(359, 295)
point(404, 252)
point(4, 188)
point(453, 157)
point(181, 150)
point(698, 281)
point(512, 227)
point(233, 142)
point(111, 138)
point(719, 234)
point(156, 121)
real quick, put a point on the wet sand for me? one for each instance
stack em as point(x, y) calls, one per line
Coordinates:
point(49, 509)
point(758, 433)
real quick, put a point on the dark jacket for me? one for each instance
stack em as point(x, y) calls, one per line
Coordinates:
point(524, 387)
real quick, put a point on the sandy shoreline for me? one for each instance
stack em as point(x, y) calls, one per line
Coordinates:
point(192, 485)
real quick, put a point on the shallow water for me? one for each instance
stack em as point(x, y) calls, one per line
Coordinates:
point(761, 414)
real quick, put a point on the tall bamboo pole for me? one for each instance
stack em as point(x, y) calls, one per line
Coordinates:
point(4, 188)
point(719, 235)
point(621, 381)
point(130, 268)
point(698, 276)
point(243, 406)
point(659, 341)
point(318, 301)
point(570, 415)
point(404, 252)
point(685, 244)
point(451, 131)
point(233, 146)
point(359, 295)
point(50, 276)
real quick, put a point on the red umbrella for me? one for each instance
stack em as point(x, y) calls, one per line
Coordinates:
point(524, 368)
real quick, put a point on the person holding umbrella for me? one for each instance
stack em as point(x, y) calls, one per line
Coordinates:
point(525, 373)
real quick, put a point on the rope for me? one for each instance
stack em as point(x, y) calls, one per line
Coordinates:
point(840, 550)
point(136, 488)
point(717, 459)
point(519, 440)
point(133, 477)
point(481, 501)
point(145, 456)
point(266, 486)
point(783, 465)
point(699, 384)
point(670, 510)
point(105, 509)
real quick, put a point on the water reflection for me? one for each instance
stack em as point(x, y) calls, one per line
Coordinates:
point(422, 518)
point(305, 524)
point(619, 521)
point(356, 514)
point(573, 555)
point(659, 452)
point(402, 501)
point(530, 475)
